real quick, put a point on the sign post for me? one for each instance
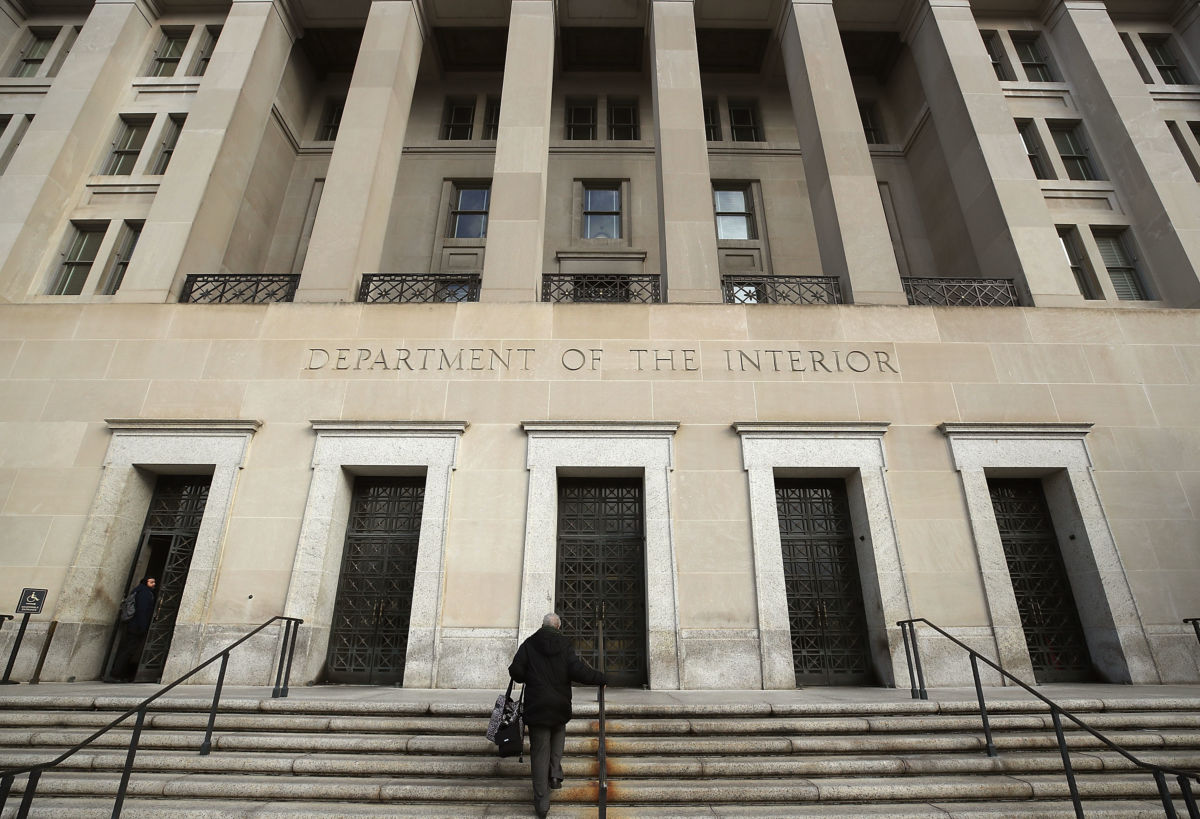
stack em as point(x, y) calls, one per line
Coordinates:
point(31, 602)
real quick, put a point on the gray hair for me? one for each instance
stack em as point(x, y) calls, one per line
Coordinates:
point(552, 620)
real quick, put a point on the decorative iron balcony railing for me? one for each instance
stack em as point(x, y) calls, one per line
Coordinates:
point(602, 287)
point(742, 289)
point(221, 288)
point(961, 292)
point(426, 288)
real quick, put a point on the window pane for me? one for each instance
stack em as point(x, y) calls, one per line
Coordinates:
point(473, 199)
point(608, 199)
point(470, 226)
point(733, 227)
point(602, 226)
point(728, 201)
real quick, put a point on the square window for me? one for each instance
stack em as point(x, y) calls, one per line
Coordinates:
point(1068, 139)
point(170, 137)
point(745, 125)
point(1120, 266)
point(331, 120)
point(458, 118)
point(1164, 59)
point(623, 120)
point(170, 51)
point(1032, 54)
point(131, 136)
point(602, 210)
point(581, 118)
point(734, 208)
point(491, 118)
point(469, 211)
point(82, 244)
point(712, 121)
point(872, 124)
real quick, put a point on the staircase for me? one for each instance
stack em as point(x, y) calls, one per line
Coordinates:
point(389, 752)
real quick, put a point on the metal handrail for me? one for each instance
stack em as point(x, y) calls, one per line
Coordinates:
point(1195, 621)
point(908, 631)
point(283, 673)
point(602, 763)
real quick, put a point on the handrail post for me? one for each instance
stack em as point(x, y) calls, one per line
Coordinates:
point(283, 650)
point(1066, 758)
point(287, 674)
point(133, 747)
point(30, 790)
point(920, 692)
point(905, 625)
point(602, 763)
point(1164, 793)
point(206, 745)
point(5, 789)
point(987, 725)
point(1189, 799)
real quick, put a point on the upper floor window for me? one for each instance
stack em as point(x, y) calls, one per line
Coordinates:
point(331, 120)
point(1118, 261)
point(1069, 140)
point(712, 121)
point(127, 241)
point(12, 130)
point(166, 146)
point(126, 145)
point(169, 52)
point(872, 123)
point(601, 210)
point(995, 50)
point(734, 208)
point(623, 122)
point(581, 118)
point(1070, 245)
point(1158, 46)
point(491, 118)
point(1031, 51)
point(204, 54)
point(83, 242)
point(745, 124)
point(469, 211)
point(458, 118)
point(35, 52)
point(1034, 149)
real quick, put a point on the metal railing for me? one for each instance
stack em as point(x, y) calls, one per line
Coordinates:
point(613, 288)
point(220, 288)
point(424, 288)
point(283, 673)
point(601, 762)
point(742, 289)
point(954, 292)
point(916, 676)
point(1195, 623)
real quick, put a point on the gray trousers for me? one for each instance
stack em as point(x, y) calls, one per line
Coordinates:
point(545, 755)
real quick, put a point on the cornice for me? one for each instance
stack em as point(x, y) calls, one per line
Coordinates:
point(182, 426)
point(1024, 430)
point(390, 429)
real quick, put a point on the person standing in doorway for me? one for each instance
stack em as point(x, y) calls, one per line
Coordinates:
point(547, 664)
point(133, 639)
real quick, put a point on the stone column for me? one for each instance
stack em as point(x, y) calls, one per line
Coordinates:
point(1138, 152)
point(687, 225)
point(57, 152)
point(194, 212)
point(1009, 226)
point(852, 230)
point(512, 265)
point(348, 236)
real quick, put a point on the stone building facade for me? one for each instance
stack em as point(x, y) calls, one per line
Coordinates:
point(735, 332)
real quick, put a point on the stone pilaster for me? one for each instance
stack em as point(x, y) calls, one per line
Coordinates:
point(11, 21)
point(194, 212)
point(58, 150)
point(1008, 224)
point(1138, 152)
point(512, 265)
point(687, 225)
point(349, 234)
point(852, 230)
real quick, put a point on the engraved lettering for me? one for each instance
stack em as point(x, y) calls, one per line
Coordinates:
point(638, 354)
point(402, 354)
point(660, 359)
point(850, 361)
point(774, 358)
point(380, 359)
point(885, 360)
point(743, 358)
point(689, 361)
point(818, 360)
point(797, 360)
point(425, 358)
point(503, 359)
point(525, 351)
point(363, 355)
point(318, 357)
point(572, 356)
point(342, 354)
point(449, 363)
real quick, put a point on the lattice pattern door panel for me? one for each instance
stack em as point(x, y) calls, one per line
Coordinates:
point(368, 638)
point(830, 645)
point(175, 513)
point(1049, 617)
point(601, 565)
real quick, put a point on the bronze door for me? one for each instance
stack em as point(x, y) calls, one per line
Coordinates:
point(830, 645)
point(1049, 617)
point(368, 638)
point(165, 553)
point(602, 575)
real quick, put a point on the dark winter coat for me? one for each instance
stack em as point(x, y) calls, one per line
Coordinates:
point(143, 609)
point(547, 664)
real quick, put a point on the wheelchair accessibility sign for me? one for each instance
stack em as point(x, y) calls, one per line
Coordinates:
point(31, 601)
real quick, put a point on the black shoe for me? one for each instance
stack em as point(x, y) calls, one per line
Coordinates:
point(555, 784)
